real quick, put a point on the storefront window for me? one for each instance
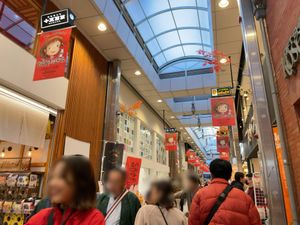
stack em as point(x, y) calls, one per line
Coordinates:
point(161, 154)
point(125, 131)
point(146, 143)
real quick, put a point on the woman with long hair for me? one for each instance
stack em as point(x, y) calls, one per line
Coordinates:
point(160, 209)
point(72, 190)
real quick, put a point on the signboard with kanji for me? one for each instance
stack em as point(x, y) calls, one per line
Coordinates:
point(133, 166)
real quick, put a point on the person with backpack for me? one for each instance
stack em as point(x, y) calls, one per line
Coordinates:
point(220, 203)
point(160, 208)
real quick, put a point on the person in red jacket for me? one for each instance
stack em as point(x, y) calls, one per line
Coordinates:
point(72, 190)
point(236, 209)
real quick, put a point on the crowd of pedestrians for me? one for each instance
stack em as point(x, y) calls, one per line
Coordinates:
point(72, 199)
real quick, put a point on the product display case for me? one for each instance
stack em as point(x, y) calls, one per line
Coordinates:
point(125, 131)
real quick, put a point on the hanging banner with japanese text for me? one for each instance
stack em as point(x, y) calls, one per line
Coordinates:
point(171, 141)
point(133, 166)
point(223, 111)
point(52, 54)
point(223, 143)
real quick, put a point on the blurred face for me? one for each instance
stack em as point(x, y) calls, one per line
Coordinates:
point(61, 190)
point(191, 186)
point(115, 183)
point(154, 195)
point(243, 180)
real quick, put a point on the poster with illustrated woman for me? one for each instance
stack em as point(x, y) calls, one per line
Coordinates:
point(52, 54)
point(223, 111)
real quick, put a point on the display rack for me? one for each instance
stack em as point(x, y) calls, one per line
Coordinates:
point(19, 191)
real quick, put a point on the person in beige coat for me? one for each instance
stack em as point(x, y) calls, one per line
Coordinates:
point(160, 209)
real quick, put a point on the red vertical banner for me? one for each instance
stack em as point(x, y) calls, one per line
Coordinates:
point(171, 141)
point(133, 167)
point(204, 167)
point(223, 144)
point(52, 54)
point(224, 155)
point(191, 156)
point(223, 111)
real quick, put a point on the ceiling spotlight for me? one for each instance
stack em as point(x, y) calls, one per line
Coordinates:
point(137, 73)
point(223, 3)
point(102, 27)
point(159, 101)
point(223, 60)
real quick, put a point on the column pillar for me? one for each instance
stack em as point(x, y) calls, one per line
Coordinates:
point(261, 111)
point(112, 101)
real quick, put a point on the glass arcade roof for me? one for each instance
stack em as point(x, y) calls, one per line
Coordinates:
point(173, 31)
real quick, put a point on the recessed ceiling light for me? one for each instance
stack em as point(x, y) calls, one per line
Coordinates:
point(159, 100)
point(181, 128)
point(223, 60)
point(172, 117)
point(223, 3)
point(189, 137)
point(137, 73)
point(102, 27)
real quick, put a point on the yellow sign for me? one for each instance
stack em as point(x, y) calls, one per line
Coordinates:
point(218, 92)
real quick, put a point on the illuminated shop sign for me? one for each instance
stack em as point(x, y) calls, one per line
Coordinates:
point(218, 92)
point(58, 19)
point(291, 56)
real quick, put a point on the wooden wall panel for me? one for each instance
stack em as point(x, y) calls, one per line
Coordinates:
point(83, 117)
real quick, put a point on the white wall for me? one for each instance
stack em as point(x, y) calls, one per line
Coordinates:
point(145, 114)
point(16, 72)
point(150, 168)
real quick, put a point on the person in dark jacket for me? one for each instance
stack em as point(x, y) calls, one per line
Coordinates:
point(239, 181)
point(72, 190)
point(192, 185)
point(125, 212)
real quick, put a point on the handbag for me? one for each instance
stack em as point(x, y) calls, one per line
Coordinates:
point(218, 203)
point(163, 215)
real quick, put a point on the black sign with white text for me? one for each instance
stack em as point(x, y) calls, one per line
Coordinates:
point(58, 19)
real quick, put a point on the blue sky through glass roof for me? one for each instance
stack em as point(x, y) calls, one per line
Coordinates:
point(173, 30)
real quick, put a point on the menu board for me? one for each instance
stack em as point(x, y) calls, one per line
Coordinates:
point(125, 131)
point(161, 154)
point(146, 143)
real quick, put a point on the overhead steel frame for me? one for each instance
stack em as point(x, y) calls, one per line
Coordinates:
point(121, 5)
point(260, 105)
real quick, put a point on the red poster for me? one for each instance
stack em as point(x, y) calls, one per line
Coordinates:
point(133, 166)
point(223, 111)
point(204, 167)
point(224, 155)
point(191, 156)
point(52, 55)
point(171, 141)
point(197, 162)
point(223, 144)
